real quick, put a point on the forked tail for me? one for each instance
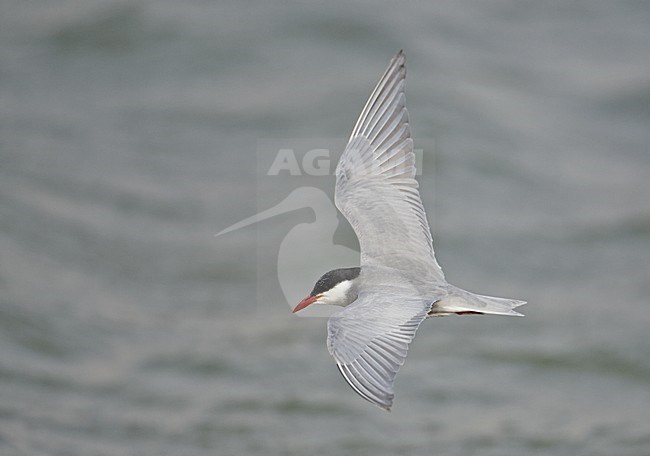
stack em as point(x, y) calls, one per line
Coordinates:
point(463, 302)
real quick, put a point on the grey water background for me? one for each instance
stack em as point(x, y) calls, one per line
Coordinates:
point(128, 138)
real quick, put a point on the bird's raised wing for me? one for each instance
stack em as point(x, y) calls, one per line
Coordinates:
point(376, 188)
point(369, 341)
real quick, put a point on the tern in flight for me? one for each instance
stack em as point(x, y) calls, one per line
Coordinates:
point(399, 283)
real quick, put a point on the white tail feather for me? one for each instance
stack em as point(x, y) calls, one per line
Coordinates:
point(458, 301)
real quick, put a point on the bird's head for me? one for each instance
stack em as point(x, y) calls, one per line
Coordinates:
point(336, 288)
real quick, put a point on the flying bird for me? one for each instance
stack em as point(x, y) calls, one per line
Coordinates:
point(399, 283)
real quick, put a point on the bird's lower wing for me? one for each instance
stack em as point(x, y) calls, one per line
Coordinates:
point(369, 341)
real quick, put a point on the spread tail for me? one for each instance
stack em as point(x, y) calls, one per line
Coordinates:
point(463, 302)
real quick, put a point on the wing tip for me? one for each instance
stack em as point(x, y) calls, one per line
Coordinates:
point(384, 403)
point(399, 61)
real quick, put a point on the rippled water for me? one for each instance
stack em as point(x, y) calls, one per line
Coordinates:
point(129, 135)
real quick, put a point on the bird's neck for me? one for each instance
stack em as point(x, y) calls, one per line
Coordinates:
point(342, 294)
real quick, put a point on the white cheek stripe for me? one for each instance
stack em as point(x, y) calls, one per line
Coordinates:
point(338, 295)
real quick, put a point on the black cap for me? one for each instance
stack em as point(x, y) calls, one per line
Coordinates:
point(332, 278)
